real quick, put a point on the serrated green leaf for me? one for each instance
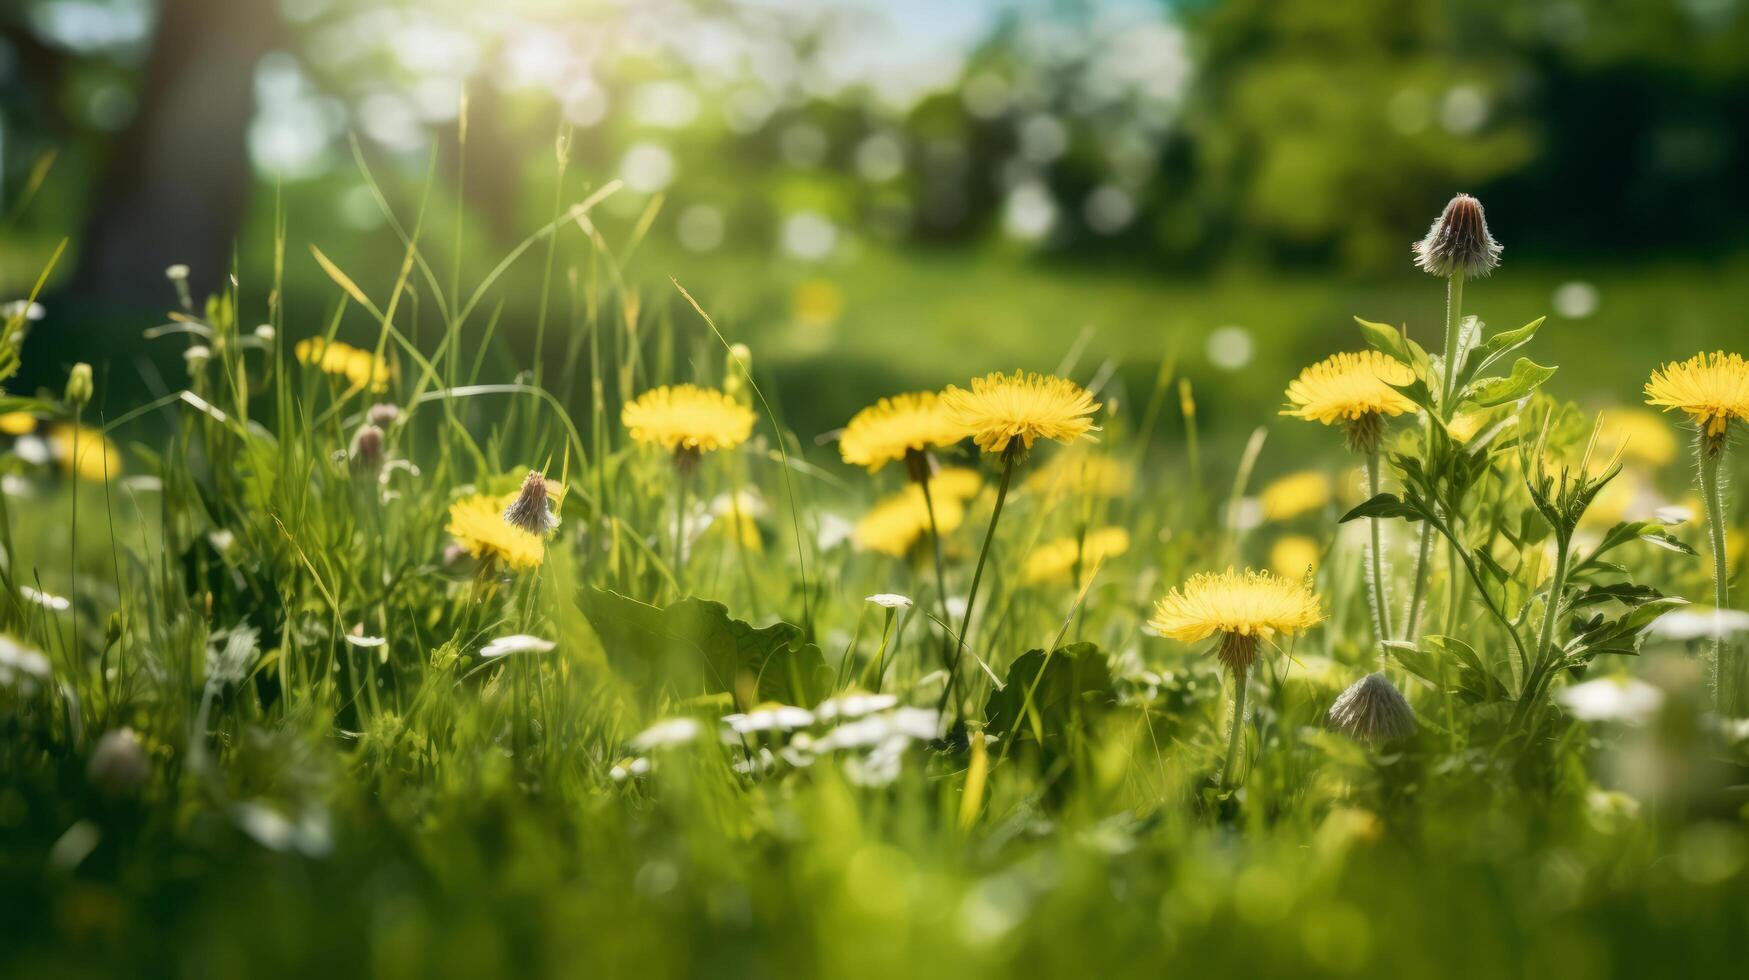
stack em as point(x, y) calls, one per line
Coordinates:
point(1383, 505)
point(1075, 684)
point(1499, 345)
point(695, 648)
point(1393, 341)
point(1526, 377)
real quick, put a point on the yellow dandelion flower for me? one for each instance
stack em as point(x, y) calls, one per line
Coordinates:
point(478, 524)
point(1640, 436)
point(957, 482)
point(98, 458)
point(1295, 494)
point(1248, 604)
point(1293, 555)
point(687, 417)
point(1711, 388)
point(1002, 409)
point(1054, 560)
point(17, 423)
point(899, 521)
point(361, 368)
point(893, 427)
point(1348, 387)
point(1082, 473)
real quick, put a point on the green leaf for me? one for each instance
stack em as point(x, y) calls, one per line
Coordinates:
point(695, 648)
point(1393, 341)
point(1474, 678)
point(1383, 505)
point(1526, 377)
point(1499, 345)
point(1075, 685)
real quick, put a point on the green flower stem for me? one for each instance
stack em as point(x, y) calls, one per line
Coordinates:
point(1235, 729)
point(947, 660)
point(1725, 693)
point(1551, 610)
point(1381, 610)
point(680, 534)
point(1009, 455)
point(1454, 301)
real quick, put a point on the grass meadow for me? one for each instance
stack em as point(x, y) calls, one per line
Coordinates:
point(630, 635)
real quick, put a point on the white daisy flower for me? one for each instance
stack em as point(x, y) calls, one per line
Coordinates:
point(890, 600)
point(1624, 699)
point(770, 718)
point(853, 705)
point(504, 646)
point(667, 733)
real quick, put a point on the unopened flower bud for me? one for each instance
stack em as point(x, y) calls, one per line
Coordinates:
point(119, 765)
point(384, 415)
point(532, 509)
point(196, 357)
point(1459, 243)
point(367, 450)
point(1373, 710)
point(79, 386)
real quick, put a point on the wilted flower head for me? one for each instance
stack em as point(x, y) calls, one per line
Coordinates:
point(384, 414)
point(1459, 242)
point(1373, 710)
point(532, 508)
point(119, 765)
point(1006, 412)
point(367, 450)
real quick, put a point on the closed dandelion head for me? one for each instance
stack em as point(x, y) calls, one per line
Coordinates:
point(384, 414)
point(900, 520)
point(531, 509)
point(1712, 389)
point(1240, 607)
point(477, 523)
point(1373, 710)
point(367, 450)
point(1353, 390)
point(687, 418)
point(1009, 412)
point(1459, 242)
point(894, 428)
point(1055, 560)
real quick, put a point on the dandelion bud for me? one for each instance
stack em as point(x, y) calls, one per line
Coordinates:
point(1459, 243)
point(1373, 710)
point(79, 386)
point(384, 415)
point(119, 765)
point(196, 357)
point(367, 450)
point(532, 510)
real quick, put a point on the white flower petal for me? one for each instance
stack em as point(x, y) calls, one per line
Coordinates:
point(504, 646)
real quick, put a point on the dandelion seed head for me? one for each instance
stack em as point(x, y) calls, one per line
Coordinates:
point(1372, 710)
point(531, 509)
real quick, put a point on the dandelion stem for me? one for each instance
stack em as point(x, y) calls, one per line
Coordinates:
point(1712, 454)
point(1454, 299)
point(1420, 591)
point(1235, 729)
point(1009, 455)
point(1381, 610)
point(947, 660)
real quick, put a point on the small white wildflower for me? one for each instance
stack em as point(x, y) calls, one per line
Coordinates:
point(16, 658)
point(33, 450)
point(221, 539)
point(176, 273)
point(308, 835)
point(853, 705)
point(761, 762)
point(504, 646)
point(747, 502)
point(1698, 622)
point(13, 485)
point(890, 600)
point(365, 642)
point(629, 768)
point(31, 312)
point(880, 766)
point(923, 724)
point(1626, 699)
point(265, 333)
point(197, 356)
point(834, 530)
point(770, 718)
point(47, 601)
point(666, 733)
point(799, 753)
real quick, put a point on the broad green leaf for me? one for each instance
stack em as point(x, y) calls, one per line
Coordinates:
point(1526, 377)
point(1383, 505)
point(694, 648)
point(1393, 341)
point(1075, 685)
point(1499, 345)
